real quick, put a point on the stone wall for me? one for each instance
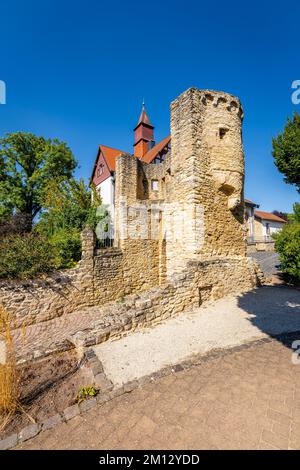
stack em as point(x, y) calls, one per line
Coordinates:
point(101, 276)
point(200, 183)
point(97, 278)
point(200, 283)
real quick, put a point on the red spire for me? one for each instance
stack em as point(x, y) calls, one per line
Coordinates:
point(143, 134)
point(144, 117)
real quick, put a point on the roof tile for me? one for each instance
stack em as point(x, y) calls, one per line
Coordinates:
point(269, 216)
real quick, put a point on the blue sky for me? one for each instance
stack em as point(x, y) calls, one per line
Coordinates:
point(78, 70)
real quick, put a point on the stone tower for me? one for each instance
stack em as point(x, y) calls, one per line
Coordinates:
point(207, 177)
point(195, 206)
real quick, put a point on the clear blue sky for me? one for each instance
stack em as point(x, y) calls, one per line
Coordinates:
point(78, 70)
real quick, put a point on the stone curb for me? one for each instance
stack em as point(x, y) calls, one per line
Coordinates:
point(30, 431)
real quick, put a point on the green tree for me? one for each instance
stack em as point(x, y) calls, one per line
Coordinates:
point(68, 205)
point(68, 208)
point(27, 164)
point(286, 151)
point(295, 217)
point(287, 244)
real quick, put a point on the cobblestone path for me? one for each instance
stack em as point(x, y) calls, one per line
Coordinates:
point(248, 399)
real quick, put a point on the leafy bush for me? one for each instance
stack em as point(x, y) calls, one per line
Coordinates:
point(16, 223)
point(68, 209)
point(67, 247)
point(287, 244)
point(25, 256)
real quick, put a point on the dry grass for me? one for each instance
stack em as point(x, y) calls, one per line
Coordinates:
point(9, 377)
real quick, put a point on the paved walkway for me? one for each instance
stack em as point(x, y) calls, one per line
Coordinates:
point(244, 400)
point(228, 322)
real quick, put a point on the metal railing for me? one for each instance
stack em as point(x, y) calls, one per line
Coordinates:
point(105, 243)
point(262, 239)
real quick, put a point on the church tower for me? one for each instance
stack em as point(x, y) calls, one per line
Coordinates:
point(143, 135)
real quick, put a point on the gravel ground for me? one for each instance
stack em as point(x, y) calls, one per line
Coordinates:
point(228, 322)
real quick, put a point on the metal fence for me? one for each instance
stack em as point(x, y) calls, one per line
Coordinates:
point(105, 243)
point(263, 239)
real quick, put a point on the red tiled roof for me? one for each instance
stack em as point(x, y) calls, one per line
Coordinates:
point(248, 201)
point(151, 154)
point(110, 156)
point(269, 216)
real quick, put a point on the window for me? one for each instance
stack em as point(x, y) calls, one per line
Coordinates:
point(100, 170)
point(222, 132)
point(154, 185)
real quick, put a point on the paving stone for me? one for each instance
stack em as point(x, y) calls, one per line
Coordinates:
point(131, 386)
point(204, 407)
point(52, 422)
point(9, 442)
point(90, 353)
point(97, 368)
point(275, 439)
point(87, 404)
point(71, 412)
point(103, 398)
point(102, 382)
point(29, 432)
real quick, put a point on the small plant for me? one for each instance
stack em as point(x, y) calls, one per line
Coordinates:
point(86, 392)
point(121, 299)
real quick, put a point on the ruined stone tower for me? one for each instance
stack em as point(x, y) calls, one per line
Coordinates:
point(195, 207)
point(207, 169)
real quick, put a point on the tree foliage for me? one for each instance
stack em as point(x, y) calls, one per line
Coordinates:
point(67, 204)
point(286, 151)
point(295, 217)
point(25, 256)
point(67, 210)
point(43, 209)
point(287, 244)
point(27, 164)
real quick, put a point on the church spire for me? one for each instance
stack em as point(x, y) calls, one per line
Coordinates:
point(143, 134)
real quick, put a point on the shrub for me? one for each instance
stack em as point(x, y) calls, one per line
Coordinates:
point(67, 247)
point(287, 243)
point(16, 223)
point(25, 256)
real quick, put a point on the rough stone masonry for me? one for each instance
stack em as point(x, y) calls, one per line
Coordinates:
point(184, 235)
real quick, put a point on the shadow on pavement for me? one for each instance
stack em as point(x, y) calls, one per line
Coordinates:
point(275, 310)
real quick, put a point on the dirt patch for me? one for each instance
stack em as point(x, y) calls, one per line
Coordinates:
point(48, 387)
